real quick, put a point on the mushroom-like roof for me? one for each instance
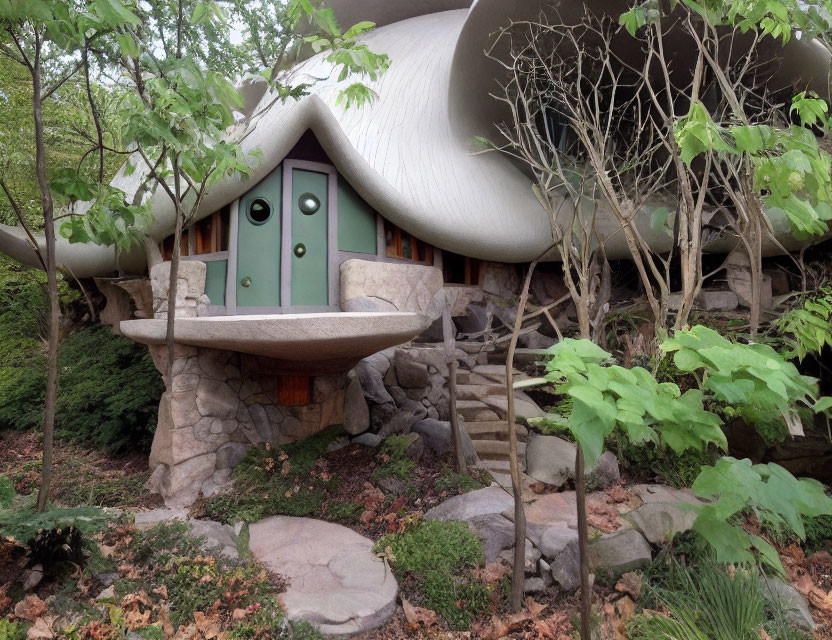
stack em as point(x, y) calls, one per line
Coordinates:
point(411, 153)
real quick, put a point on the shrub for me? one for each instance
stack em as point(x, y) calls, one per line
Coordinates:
point(439, 557)
point(108, 391)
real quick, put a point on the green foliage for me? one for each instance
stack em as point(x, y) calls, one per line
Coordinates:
point(608, 397)
point(439, 556)
point(276, 482)
point(394, 460)
point(708, 605)
point(108, 396)
point(22, 524)
point(6, 492)
point(818, 533)
point(12, 630)
point(808, 328)
point(676, 469)
point(342, 510)
point(455, 483)
point(768, 491)
point(751, 375)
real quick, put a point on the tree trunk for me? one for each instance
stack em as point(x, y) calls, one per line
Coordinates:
point(173, 281)
point(518, 577)
point(448, 335)
point(50, 400)
point(583, 544)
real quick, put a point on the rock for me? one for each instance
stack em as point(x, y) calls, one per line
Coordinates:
point(660, 521)
point(620, 552)
point(711, 300)
point(534, 585)
point(106, 579)
point(500, 280)
point(216, 536)
point(496, 533)
point(371, 440)
point(410, 374)
point(149, 519)
point(559, 547)
point(474, 320)
point(261, 422)
point(35, 575)
point(437, 438)
point(532, 556)
point(231, 454)
point(536, 340)
point(545, 571)
point(416, 449)
point(409, 413)
point(215, 398)
point(794, 606)
point(739, 282)
point(372, 381)
point(356, 411)
point(547, 287)
point(107, 594)
point(335, 582)
point(553, 510)
point(551, 460)
point(481, 502)
point(381, 414)
point(337, 444)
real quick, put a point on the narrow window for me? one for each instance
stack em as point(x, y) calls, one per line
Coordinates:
point(400, 244)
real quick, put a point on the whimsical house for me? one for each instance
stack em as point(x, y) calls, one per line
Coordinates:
point(352, 228)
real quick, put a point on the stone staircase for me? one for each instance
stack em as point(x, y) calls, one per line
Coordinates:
point(482, 404)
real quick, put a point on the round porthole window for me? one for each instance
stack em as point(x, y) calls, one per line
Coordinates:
point(308, 203)
point(259, 211)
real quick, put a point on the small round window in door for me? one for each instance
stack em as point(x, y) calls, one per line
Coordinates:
point(259, 211)
point(308, 203)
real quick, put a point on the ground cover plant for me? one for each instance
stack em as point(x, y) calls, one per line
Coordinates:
point(370, 490)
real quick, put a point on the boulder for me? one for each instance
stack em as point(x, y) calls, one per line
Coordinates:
point(335, 581)
point(551, 460)
point(713, 300)
point(371, 440)
point(489, 500)
point(371, 377)
point(793, 605)
point(437, 436)
point(496, 533)
point(660, 521)
point(215, 398)
point(356, 411)
point(408, 414)
point(534, 585)
point(620, 552)
point(559, 547)
point(215, 536)
point(531, 558)
point(148, 519)
point(407, 287)
point(410, 374)
point(231, 454)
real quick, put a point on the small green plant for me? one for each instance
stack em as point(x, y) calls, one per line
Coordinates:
point(394, 460)
point(438, 557)
point(6, 492)
point(24, 523)
point(342, 510)
point(708, 605)
point(808, 328)
point(12, 630)
point(455, 483)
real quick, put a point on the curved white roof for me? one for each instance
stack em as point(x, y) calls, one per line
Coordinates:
point(410, 154)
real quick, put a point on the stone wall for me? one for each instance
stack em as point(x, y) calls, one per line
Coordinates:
point(218, 405)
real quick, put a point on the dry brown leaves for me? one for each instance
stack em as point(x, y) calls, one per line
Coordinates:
point(30, 608)
point(529, 625)
point(630, 584)
point(418, 617)
point(616, 615)
point(797, 567)
point(602, 514)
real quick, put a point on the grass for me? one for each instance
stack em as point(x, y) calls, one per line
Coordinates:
point(434, 561)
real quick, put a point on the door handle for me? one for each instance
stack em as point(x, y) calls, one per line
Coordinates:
point(246, 282)
point(300, 250)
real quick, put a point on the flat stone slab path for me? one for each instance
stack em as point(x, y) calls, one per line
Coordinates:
point(336, 583)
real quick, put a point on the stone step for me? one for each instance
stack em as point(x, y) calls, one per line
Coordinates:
point(478, 391)
point(493, 430)
point(524, 407)
point(476, 411)
point(496, 449)
point(463, 376)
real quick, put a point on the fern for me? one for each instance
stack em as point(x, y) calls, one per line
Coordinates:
point(808, 329)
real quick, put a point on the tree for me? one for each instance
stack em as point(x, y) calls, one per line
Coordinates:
point(181, 102)
point(48, 39)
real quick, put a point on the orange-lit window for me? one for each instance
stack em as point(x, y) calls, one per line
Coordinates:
point(209, 235)
point(293, 391)
point(400, 244)
point(458, 269)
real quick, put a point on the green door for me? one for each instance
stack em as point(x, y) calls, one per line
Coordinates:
point(258, 244)
point(310, 281)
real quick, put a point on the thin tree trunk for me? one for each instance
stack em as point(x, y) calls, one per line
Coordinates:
point(450, 355)
point(51, 287)
point(518, 577)
point(583, 544)
point(173, 281)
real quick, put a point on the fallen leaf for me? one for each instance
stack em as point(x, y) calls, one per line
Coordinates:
point(238, 614)
point(492, 573)
point(418, 616)
point(208, 626)
point(164, 620)
point(162, 592)
point(630, 583)
point(30, 608)
point(626, 608)
point(535, 608)
point(42, 629)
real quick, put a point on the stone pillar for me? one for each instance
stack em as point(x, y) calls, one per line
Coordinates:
point(191, 300)
point(219, 404)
